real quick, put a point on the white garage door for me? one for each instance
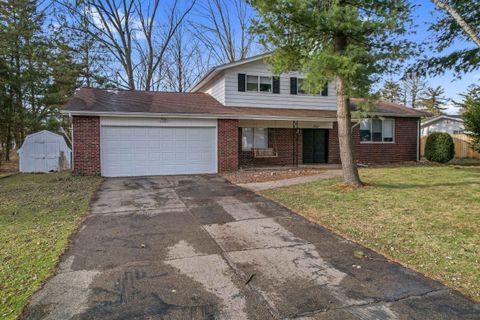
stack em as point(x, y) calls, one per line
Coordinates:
point(142, 151)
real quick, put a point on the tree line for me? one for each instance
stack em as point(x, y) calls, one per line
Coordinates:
point(48, 49)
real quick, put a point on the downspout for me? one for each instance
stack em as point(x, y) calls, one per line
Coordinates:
point(72, 142)
point(295, 143)
point(418, 139)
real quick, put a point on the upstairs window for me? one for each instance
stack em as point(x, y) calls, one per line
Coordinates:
point(297, 87)
point(377, 130)
point(252, 83)
point(259, 84)
point(265, 84)
point(300, 89)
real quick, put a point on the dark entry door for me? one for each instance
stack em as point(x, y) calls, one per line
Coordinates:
point(315, 145)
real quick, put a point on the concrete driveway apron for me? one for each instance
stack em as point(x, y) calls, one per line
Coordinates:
point(198, 247)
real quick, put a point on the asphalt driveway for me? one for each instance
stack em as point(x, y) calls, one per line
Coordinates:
point(197, 247)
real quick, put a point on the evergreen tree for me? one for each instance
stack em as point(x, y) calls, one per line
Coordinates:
point(349, 42)
point(434, 100)
point(38, 72)
point(471, 115)
point(459, 21)
point(392, 91)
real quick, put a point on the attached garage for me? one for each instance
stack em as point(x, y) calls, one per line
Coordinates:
point(143, 147)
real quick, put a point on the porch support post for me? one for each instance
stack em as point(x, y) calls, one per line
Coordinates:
point(295, 144)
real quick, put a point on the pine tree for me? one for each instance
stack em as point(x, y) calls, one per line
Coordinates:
point(349, 42)
point(392, 91)
point(38, 72)
point(434, 100)
point(471, 115)
point(459, 21)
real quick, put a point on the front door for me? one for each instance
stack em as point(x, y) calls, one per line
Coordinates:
point(315, 145)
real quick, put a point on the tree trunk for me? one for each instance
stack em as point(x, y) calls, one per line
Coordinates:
point(459, 19)
point(7, 145)
point(344, 120)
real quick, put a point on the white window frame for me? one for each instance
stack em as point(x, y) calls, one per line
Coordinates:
point(258, 84)
point(253, 131)
point(383, 132)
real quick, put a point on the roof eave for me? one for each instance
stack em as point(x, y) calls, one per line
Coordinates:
point(192, 116)
point(434, 119)
point(216, 115)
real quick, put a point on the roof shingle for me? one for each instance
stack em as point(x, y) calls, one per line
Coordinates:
point(101, 101)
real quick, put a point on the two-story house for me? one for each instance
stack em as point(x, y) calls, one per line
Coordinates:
point(238, 115)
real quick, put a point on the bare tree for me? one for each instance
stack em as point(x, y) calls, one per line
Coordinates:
point(185, 62)
point(469, 30)
point(414, 86)
point(136, 35)
point(223, 29)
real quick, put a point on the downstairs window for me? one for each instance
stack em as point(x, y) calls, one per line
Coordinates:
point(254, 138)
point(377, 130)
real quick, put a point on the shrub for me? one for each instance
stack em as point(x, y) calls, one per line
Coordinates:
point(439, 147)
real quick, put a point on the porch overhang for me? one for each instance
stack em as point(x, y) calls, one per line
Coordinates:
point(312, 124)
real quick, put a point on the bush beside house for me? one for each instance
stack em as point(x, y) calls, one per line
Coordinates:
point(439, 147)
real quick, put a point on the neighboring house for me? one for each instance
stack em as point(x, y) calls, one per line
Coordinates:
point(42, 152)
point(451, 124)
point(238, 115)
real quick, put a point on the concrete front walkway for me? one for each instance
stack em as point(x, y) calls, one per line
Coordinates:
point(259, 186)
point(197, 247)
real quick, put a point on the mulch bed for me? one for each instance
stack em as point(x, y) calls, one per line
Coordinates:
point(252, 176)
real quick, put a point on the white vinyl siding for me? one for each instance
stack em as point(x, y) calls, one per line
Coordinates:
point(232, 97)
point(216, 88)
point(443, 125)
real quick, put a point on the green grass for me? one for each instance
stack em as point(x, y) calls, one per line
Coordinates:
point(465, 162)
point(37, 214)
point(427, 218)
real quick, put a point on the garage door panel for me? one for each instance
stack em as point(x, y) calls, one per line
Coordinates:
point(136, 151)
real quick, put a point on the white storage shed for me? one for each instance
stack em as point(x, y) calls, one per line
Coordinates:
point(42, 152)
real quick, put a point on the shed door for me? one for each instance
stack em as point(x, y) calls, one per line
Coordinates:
point(52, 152)
point(38, 163)
point(143, 151)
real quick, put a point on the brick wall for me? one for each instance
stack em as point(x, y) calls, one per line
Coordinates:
point(86, 145)
point(404, 148)
point(282, 140)
point(227, 145)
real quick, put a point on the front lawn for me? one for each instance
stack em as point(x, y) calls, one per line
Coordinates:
point(425, 217)
point(37, 214)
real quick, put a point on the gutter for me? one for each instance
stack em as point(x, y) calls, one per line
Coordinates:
point(192, 116)
point(215, 116)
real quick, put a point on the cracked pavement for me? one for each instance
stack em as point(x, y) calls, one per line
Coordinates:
point(198, 247)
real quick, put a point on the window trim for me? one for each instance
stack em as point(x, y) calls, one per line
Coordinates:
point(258, 84)
point(383, 127)
point(253, 147)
